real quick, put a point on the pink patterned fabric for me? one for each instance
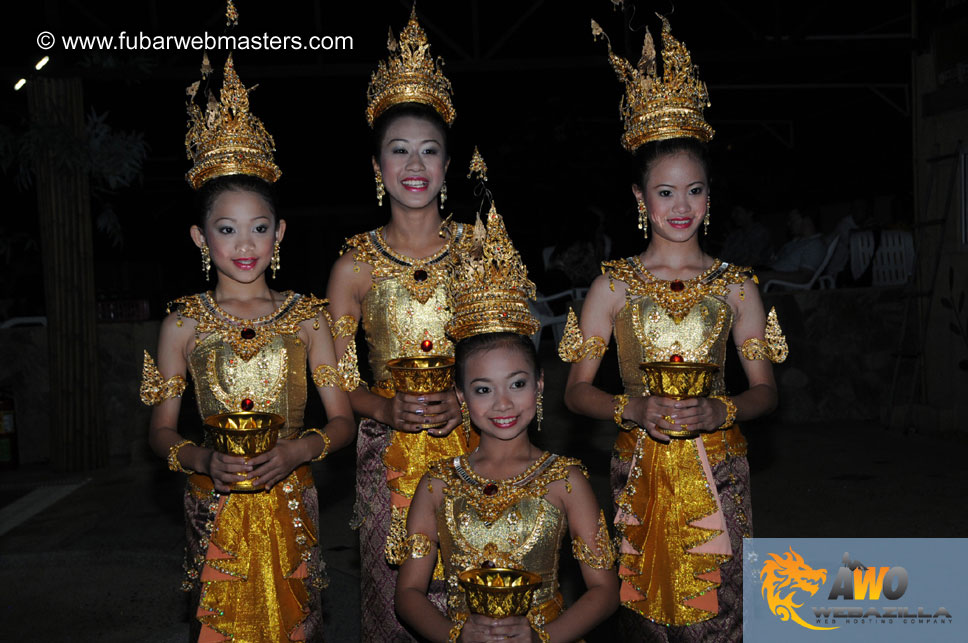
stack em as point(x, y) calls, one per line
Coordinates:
point(371, 515)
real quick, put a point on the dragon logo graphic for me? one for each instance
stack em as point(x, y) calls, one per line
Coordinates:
point(782, 577)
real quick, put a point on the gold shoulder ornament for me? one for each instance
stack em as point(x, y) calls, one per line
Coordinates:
point(155, 389)
point(774, 348)
point(605, 559)
point(574, 347)
point(345, 374)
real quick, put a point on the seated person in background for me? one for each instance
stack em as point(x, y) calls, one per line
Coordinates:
point(748, 244)
point(799, 257)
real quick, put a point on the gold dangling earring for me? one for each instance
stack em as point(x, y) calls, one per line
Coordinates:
point(465, 416)
point(443, 194)
point(275, 263)
point(380, 189)
point(705, 221)
point(206, 261)
point(539, 412)
point(643, 218)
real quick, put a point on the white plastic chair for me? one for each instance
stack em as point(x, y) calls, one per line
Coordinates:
point(861, 252)
point(894, 260)
point(540, 309)
point(822, 280)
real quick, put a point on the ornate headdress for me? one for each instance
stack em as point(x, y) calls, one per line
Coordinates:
point(489, 285)
point(228, 138)
point(410, 76)
point(657, 108)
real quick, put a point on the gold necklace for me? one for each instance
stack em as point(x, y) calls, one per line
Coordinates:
point(248, 336)
point(490, 498)
point(238, 321)
point(676, 297)
point(420, 277)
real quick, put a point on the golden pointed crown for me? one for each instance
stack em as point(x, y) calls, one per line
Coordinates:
point(228, 138)
point(409, 75)
point(489, 285)
point(656, 108)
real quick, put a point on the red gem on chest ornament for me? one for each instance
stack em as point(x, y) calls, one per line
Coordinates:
point(677, 286)
point(420, 275)
point(426, 345)
point(490, 489)
point(247, 333)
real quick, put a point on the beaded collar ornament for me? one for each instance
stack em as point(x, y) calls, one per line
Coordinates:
point(491, 498)
point(655, 107)
point(676, 297)
point(248, 336)
point(490, 286)
point(409, 75)
point(228, 138)
point(420, 277)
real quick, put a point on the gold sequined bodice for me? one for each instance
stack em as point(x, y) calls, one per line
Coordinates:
point(663, 318)
point(407, 303)
point(396, 323)
point(257, 365)
point(515, 527)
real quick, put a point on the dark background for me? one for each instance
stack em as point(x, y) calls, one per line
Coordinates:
point(810, 102)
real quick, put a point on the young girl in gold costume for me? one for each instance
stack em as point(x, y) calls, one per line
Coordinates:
point(392, 281)
point(252, 562)
point(679, 472)
point(507, 504)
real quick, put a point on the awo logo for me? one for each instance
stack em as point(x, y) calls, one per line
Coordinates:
point(784, 576)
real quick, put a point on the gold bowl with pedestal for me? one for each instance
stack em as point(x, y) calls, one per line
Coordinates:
point(499, 592)
point(678, 380)
point(420, 375)
point(243, 433)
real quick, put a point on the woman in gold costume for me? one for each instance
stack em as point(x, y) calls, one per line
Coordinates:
point(679, 472)
point(252, 563)
point(507, 504)
point(392, 282)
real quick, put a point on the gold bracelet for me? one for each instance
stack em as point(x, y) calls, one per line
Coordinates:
point(454, 633)
point(173, 463)
point(730, 410)
point(537, 622)
point(325, 451)
point(621, 401)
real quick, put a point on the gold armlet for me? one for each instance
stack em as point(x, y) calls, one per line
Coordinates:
point(621, 401)
point(454, 633)
point(574, 347)
point(322, 434)
point(605, 559)
point(417, 546)
point(774, 348)
point(537, 621)
point(173, 463)
point(345, 326)
point(154, 388)
point(730, 410)
point(345, 375)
